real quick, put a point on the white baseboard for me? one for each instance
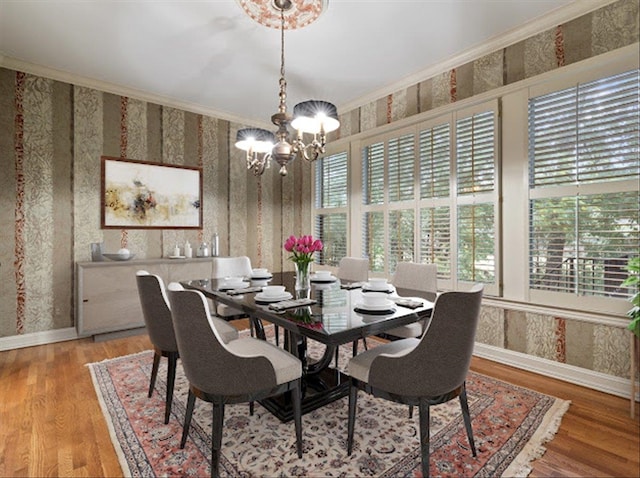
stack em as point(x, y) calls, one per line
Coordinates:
point(38, 338)
point(569, 373)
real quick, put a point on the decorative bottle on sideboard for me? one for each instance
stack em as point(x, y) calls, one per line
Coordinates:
point(215, 245)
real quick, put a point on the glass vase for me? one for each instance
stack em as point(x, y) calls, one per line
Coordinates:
point(303, 281)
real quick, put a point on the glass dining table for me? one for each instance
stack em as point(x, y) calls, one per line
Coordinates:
point(330, 312)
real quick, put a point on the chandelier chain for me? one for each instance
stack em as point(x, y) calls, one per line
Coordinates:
point(283, 82)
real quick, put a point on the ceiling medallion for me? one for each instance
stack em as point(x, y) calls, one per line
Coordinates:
point(297, 13)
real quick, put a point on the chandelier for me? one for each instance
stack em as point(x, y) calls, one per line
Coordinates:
point(315, 117)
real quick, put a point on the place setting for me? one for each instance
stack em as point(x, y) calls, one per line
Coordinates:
point(375, 303)
point(234, 285)
point(323, 277)
point(378, 284)
point(260, 274)
point(272, 293)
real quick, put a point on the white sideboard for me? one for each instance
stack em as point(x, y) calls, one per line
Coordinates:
point(106, 298)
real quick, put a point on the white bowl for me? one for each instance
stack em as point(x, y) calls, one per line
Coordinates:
point(323, 274)
point(378, 283)
point(273, 290)
point(233, 280)
point(260, 272)
point(375, 299)
point(119, 257)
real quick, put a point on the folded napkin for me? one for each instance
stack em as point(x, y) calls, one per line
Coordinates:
point(244, 290)
point(292, 304)
point(410, 303)
point(352, 285)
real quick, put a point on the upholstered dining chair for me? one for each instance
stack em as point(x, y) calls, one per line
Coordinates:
point(157, 319)
point(242, 370)
point(237, 266)
point(353, 269)
point(423, 372)
point(416, 280)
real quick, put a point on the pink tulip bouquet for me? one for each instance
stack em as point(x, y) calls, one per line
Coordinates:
point(302, 249)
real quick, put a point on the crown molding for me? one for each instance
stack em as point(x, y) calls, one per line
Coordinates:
point(120, 90)
point(557, 17)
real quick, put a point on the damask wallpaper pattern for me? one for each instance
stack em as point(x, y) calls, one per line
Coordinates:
point(50, 157)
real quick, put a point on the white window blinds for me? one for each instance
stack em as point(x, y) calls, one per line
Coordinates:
point(582, 141)
point(331, 202)
point(588, 133)
point(476, 160)
point(475, 153)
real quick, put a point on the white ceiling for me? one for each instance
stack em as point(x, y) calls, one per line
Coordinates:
point(209, 56)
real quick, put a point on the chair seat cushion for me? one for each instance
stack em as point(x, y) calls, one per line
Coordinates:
point(407, 331)
point(227, 332)
point(360, 365)
point(224, 310)
point(286, 366)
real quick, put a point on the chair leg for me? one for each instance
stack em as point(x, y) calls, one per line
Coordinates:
point(251, 408)
point(191, 400)
point(337, 355)
point(297, 415)
point(216, 437)
point(410, 411)
point(154, 371)
point(277, 332)
point(171, 379)
point(464, 404)
point(424, 436)
point(364, 342)
point(353, 400)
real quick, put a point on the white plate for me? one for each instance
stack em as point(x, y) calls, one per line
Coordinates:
point(273, 298)
point(177, 257)
point(315, 278)
point(234, 285)
point(389, 305)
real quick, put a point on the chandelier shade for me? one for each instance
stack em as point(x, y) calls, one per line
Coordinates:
point(255, 140)
point(315, 116)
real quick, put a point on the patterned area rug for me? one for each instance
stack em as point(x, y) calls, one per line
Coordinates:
point(510, 426)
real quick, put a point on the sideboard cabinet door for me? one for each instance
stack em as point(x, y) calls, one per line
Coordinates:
point(107, 294)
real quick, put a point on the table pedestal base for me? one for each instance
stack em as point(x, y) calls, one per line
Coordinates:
point(318, 390)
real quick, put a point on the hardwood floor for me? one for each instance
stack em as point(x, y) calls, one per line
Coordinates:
point(51, 423)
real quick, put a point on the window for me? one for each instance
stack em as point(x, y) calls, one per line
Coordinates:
point(476, 158)
point(388, 219)
point(583, 186)
point(550, 185)
point(429, 195)
point(331, 207)
point(435, 191)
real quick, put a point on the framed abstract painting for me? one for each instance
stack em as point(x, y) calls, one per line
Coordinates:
point(146, 195)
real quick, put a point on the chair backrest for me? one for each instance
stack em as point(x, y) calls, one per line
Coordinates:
point(156, 311)
point(353, 269)
point(421, 280)
point(440, 362)
point(208, 364)
point(231, 267)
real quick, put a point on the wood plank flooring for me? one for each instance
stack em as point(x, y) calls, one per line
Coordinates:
point(51, 423)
